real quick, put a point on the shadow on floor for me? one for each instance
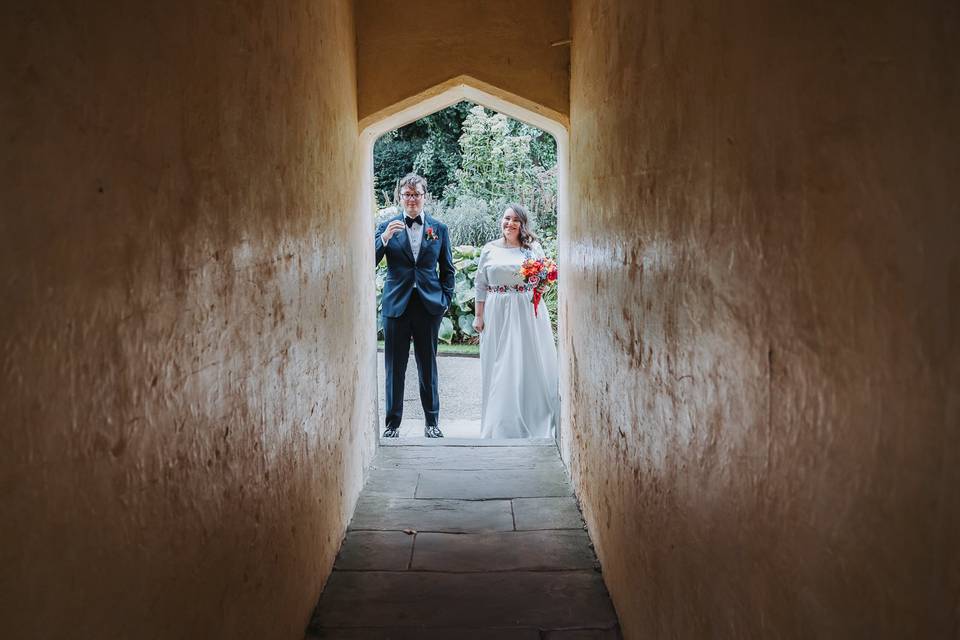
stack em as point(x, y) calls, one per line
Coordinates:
point(465, 538)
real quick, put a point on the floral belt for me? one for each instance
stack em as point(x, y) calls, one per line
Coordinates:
point(522, 288)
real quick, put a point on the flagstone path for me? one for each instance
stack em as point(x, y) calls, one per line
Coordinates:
point(469, 539)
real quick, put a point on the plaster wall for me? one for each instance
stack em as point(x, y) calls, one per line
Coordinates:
point(185, 388)
point(407, 48)
point(762, 308)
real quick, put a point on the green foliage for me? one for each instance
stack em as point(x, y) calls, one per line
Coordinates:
point(392, 159)
point(548, 241)
point(494, 163)
point(381, 277)
point(446, 330)
point(439, 157)
point(429, 146)
point(543, 146)
point(475, 161)
point(463, 306)
point(499, 165)
point(470, 220)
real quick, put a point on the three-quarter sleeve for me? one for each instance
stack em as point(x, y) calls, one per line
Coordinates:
point(480, 280)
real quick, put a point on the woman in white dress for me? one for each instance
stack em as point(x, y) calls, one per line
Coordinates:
point(518, 358)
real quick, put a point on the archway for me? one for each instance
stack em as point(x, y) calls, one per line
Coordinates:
point(449, 93)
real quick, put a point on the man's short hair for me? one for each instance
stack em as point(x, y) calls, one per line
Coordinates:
point(413, 180)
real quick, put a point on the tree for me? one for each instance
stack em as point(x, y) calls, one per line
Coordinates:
point(497, 166)
point(392, 159)
point(430, 146)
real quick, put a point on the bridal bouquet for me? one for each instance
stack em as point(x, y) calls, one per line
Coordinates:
point(540, 275)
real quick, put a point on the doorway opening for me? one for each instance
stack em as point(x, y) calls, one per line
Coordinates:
point(447, 137)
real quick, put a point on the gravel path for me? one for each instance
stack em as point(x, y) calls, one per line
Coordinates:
point(459, 379)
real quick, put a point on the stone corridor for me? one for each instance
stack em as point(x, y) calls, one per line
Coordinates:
point(466, 539)
point(758, 328)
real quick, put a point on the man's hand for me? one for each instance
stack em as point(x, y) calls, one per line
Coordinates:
point(392, 228)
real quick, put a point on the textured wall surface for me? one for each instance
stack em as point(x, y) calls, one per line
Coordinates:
point(763, 315)
point(405, 48)
point(184, 389)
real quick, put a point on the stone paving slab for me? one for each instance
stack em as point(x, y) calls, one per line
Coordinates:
point(500, 565)
point(512, 551)
point(399, 483)
point(459, 516)
point(467, 442)
point(584, 634)
point(375, 550)
point(486, 485)
point(546, 513)
point(413, 428)
point(421, 633)
point(547, 600)
point(461, 458)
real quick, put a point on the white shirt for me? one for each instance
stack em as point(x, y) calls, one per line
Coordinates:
point(415, 235)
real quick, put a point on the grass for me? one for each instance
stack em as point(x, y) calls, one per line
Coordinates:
point(458, 349)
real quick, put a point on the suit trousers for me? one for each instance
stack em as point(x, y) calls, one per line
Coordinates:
point(416, 324)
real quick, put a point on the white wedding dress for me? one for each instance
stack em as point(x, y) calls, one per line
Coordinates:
point(518, 358)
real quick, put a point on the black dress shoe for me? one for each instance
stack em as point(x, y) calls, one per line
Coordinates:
point(392, 432)
point(432, 431)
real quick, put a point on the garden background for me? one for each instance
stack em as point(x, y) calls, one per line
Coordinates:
point(475, 161)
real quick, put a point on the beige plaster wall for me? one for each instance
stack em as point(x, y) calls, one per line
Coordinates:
point(762, 315)
point(185, 388)
point(407, 47)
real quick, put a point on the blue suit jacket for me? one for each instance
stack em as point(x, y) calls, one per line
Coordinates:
point(436, 289)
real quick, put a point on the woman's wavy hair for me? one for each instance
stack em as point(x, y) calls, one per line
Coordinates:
point(527, 237)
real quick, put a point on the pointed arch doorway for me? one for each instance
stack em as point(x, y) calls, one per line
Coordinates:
point(442, 96)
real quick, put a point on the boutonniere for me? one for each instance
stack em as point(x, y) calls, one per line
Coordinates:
point(431, 234)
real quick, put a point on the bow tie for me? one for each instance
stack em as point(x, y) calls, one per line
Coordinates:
point(410, 220)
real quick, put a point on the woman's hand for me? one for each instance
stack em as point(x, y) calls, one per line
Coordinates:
point(478, 317)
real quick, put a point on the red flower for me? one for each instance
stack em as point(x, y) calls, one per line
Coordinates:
point(539, 275)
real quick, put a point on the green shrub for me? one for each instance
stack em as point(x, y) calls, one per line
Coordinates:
point(471, 221)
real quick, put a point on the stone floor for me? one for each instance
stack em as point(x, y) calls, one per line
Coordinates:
point(461, 538)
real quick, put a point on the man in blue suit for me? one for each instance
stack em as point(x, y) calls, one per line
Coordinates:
point(415, 297)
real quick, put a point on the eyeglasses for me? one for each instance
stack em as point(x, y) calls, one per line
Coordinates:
point(411, 196)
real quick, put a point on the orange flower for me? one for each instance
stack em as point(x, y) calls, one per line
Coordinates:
point(540, 275)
